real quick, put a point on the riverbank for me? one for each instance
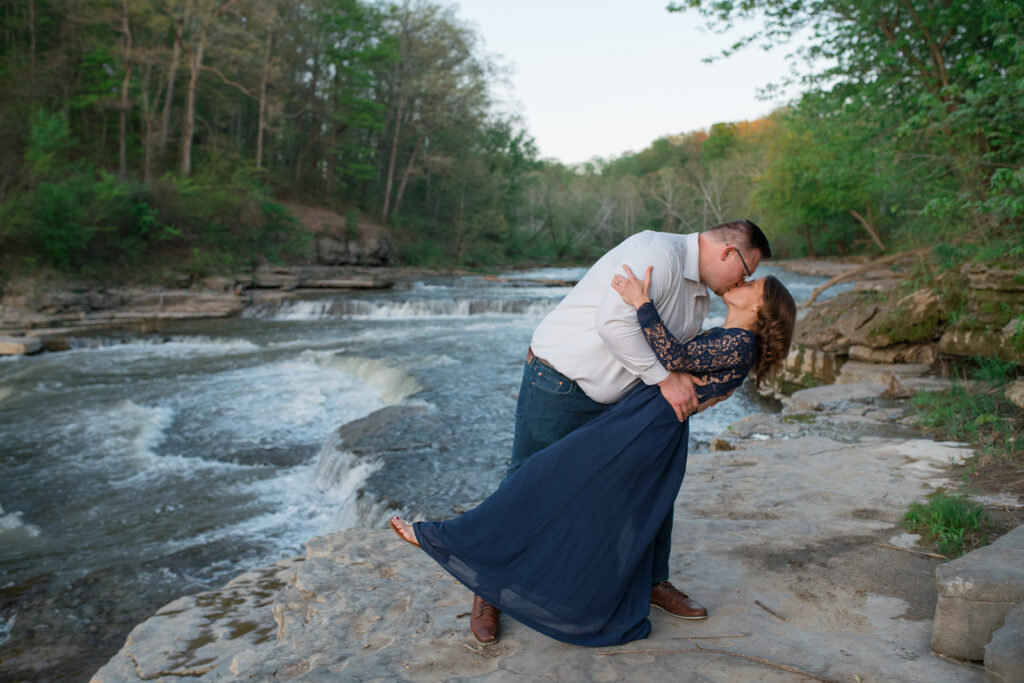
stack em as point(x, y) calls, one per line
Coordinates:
point(789, 533)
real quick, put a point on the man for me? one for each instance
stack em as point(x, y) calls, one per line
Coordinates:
point(590, 351)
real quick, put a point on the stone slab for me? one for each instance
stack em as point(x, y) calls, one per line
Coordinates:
point(1004, 654)
point(14, 346)
point(976, 592)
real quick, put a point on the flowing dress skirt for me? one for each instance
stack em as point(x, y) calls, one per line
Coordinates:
point(565, 544)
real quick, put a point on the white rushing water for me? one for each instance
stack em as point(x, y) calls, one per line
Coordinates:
point(184, 458)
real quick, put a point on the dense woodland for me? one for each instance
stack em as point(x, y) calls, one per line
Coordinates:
point(146, 138)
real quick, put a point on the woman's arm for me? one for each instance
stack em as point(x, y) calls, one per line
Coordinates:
point(706, 353)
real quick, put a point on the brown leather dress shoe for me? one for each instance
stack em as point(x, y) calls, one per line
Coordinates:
point(484, 622)
point(668, 598)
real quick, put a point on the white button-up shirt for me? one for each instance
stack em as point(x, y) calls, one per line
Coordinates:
point(593, 336)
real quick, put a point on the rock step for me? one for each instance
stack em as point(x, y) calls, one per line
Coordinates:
point(1004, 654)
point(976, 593)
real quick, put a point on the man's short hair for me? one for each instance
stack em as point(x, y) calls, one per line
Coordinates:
point(742, 233)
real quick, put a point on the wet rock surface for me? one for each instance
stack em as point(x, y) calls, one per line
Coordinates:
point(791, 539)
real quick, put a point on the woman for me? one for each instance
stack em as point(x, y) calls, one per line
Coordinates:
point(565, 544)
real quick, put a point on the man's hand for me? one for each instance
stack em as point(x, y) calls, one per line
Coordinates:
point(678, 390)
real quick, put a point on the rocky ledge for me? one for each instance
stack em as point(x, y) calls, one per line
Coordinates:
point(41, 318)
point(789, 533)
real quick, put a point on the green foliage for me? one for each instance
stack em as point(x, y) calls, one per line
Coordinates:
point(911, 112)
point(423, 254)
point(977, 414)
point(947, 520)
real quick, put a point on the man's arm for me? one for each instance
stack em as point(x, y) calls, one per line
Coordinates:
point(619, 329)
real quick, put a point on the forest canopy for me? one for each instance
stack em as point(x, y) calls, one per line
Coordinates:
point(161, 135)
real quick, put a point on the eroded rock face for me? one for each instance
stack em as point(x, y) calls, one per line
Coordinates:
point(341, 251)
point(977, 312)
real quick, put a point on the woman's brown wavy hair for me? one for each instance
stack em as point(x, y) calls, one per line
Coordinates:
point(773, 329)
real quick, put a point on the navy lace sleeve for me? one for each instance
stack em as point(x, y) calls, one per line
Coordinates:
point(720, 357)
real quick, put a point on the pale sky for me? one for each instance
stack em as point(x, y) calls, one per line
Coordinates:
point(605, 77)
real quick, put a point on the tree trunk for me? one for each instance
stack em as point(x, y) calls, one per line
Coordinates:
point(262, 125)
point(810, 244)
point(391, 161)
point(406, 173)
point(148, 132)
point(122, 162)
point(172, 75)
point(870, 229)
point(195, 64)
point(459, 236)
point(32, 44)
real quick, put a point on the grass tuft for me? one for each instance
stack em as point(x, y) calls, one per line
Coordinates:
point(951, 522)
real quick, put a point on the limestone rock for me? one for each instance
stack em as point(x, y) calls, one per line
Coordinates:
point(334, 251)
point(967, 341)
point(13, 346)
point(1004, 654)
point(191, 636)
point(897, 353)
point(976, 592)
point(216, 283)
point(274, 278)
point(1007, 276)
point(1015, 393)
point(855, 372)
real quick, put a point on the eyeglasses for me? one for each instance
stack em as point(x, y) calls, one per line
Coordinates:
point(742, 260)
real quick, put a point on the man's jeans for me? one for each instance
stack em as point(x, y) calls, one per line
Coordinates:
point(551, 406)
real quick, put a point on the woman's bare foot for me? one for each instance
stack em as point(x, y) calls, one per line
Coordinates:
point(403, 529)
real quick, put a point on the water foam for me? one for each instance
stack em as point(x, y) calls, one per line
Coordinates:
point(124, 439)
point(407, 309)
point(393, 384)
point(340, 474)
point(6, 626)
point(14, 530)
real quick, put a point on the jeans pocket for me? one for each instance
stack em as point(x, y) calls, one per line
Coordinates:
point(550, 381)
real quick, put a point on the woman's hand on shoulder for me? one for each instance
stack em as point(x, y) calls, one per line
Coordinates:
point(634, 292)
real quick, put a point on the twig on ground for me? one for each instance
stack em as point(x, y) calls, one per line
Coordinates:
point(769, 611)
point(919, 553)
point(737, 635)
point(703, 650)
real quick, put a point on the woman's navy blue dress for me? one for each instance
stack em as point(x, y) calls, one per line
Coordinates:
point(565, 544)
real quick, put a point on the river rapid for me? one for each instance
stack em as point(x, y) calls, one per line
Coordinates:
point(137, 468)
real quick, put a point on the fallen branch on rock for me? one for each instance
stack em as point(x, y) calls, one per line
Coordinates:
point(861, 269)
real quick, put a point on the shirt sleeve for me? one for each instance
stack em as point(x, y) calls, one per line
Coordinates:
point(616, 321)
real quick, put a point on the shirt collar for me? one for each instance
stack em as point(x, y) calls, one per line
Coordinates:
point(691, 267)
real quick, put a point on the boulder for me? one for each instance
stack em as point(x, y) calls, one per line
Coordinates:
point(855, 372)
point(973, 341)
point(216, 283)
point(1015, 393)
point(806, 366)
point(1007, 276)
point(1004, 654)
point(334, 251)
point(897, 353)
point(14, 346)
point(275, 278)
point(976, 593)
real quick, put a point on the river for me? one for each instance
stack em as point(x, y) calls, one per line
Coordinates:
point(136, 468)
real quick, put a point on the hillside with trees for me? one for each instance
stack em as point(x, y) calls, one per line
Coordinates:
point(144, 138)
